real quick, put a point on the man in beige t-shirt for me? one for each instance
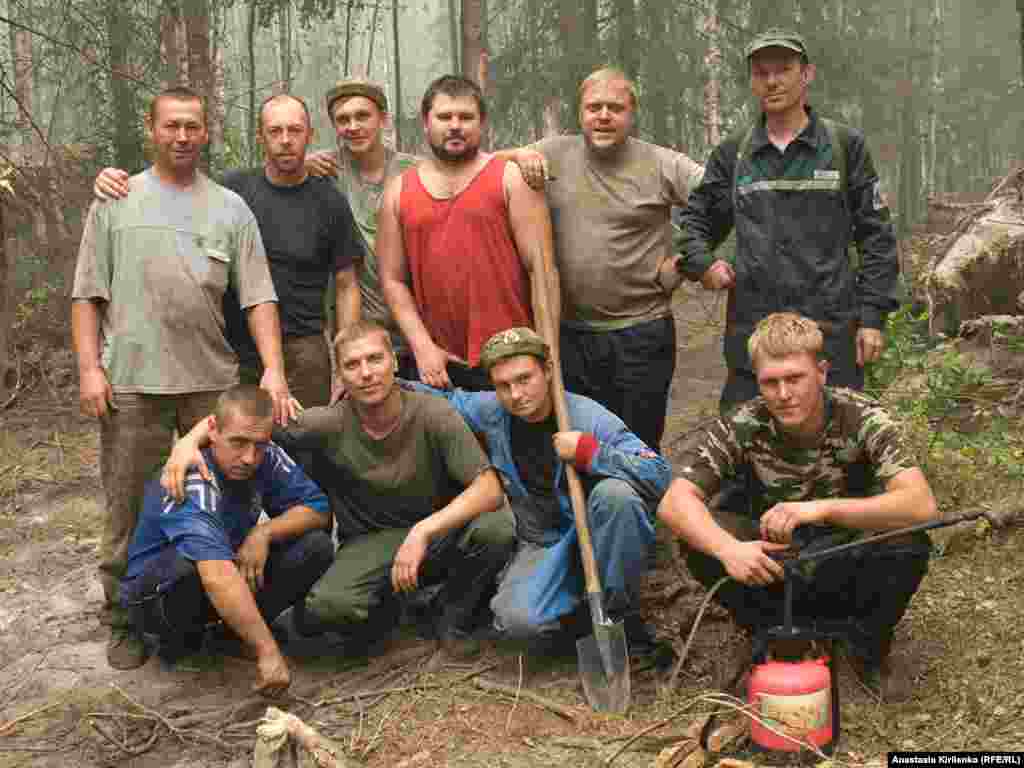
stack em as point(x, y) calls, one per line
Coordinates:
point(148, 324)
point(610, 197)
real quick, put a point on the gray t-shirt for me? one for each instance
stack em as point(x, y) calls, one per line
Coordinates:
point(160, 260)
point(612, 229)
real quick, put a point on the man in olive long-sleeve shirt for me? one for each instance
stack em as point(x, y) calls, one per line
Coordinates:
point(799, 190)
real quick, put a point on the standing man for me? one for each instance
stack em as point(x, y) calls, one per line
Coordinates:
point(415, 499)
point(464, 244)
point(210, 557)
point(311, 242)
point(148, 326)
point(804, 442)
point(362, 165)
point(799, 189)
point(541, 592)
point(611, 197)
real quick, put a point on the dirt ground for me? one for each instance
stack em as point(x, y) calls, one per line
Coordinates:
point(61, 705)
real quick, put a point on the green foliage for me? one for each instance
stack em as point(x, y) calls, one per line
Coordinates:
point(968, 447)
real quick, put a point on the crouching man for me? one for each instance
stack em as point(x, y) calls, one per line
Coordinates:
point(541, 591)
point(208, 557)
point(416, 501)
point(818, 462)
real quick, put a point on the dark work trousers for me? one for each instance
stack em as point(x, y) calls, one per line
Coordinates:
point(867, 591)
point(628, 371)
point(172, 603)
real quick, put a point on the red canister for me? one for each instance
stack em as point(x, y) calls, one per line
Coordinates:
point(793, 698)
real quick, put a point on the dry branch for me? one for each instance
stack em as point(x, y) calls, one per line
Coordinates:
point(506, 690)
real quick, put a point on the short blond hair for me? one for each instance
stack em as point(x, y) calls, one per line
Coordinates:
point(782, 334)
point(609, 75)
point(359, 330)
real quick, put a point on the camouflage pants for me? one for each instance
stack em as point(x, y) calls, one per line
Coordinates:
point(307, 366)
point(135, 440)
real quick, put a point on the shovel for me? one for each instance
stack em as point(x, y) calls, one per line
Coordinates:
point(603, 656)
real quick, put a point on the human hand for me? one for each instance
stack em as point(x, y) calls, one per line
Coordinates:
point(321, 163)
point(184, 454)
point(432, 364)
point(286, 407)
point(95, 397)
point(111, 184)
point(273, 676)
point(719, 276)
point(870, 344)
point(406, 566)
point(533, 165)
point(251, 557)
point(749, 562)
point(338, 391)
point(779, 522)
point(565, 444)
point(669, 276)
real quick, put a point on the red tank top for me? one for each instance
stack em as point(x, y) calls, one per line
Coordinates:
point(467, 277)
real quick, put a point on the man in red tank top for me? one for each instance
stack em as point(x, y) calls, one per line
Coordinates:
point(464, 244)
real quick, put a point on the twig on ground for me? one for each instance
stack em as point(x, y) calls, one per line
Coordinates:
point(693, 632)
point(28, 716)
point(17, 689)
point(17, 388)
point(403, 688)
point(181, 733)
point(552, 706)
point(123, 746)
point(519, 688)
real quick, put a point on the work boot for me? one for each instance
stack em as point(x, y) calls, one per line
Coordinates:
point(126, 648)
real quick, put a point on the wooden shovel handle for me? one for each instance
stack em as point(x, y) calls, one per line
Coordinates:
point(579, 504)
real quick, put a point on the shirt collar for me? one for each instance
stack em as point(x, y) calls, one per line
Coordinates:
point(810, 135)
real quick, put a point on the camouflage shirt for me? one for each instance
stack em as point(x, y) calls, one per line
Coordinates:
point(859, 436)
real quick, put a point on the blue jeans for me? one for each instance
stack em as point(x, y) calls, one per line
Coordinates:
point(628, 371)
point(543, 583)
point(168, 599)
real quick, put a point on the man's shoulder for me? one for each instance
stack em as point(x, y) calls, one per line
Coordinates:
point(229, 200)
point(563, 144)
point(858, 413)
point(749, 419)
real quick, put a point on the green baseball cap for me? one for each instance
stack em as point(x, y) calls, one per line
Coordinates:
point(777, 38)
point(356, 86)
point(511, 343)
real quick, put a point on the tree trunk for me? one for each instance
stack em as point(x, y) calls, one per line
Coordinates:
point(24, 92)
point(910, 155)
point(373, 37)
point(936, 94)
point(127, 137)
point(712, 86)
point(396, 108)
point(626, 28)
point(173, 46)
point(250, 44)
point(348, 36)
point(473, 45)
point(453, 34)
point(216, 96)
point(1020, 10)
point(284, 28)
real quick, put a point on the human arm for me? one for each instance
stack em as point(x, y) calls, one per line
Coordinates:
point(707, 220)
point(265, 328)
point(684, 510)
point(233, 600)
point(616, 453)
point(111, 184)
point(873, 234)
point(532, 164)
point(431, 360)
point(530, 222)
point(96, 398)
point(484, 494)
point(346, 297)
point(906, 501)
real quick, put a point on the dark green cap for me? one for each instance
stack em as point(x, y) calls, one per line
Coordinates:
point(356, 86)
point(777, 38)
point(511, 343)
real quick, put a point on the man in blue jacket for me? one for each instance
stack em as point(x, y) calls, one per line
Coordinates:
point(541, 590)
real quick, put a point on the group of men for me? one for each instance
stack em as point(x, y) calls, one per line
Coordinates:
point(444, 271)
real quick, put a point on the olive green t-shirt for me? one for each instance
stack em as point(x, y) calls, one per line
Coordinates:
point(160, 260)
point(395, 482)
point(364, 198)
point(612, 228)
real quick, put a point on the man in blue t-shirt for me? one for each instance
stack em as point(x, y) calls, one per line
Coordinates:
point(211, 557)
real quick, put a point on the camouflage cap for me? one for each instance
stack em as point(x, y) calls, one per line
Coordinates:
point(357, 86)
point(777, 38)
point(510, 343)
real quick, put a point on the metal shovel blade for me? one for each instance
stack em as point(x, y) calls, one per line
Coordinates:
point(604, 667)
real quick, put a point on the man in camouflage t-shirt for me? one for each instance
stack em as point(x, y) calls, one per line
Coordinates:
point(817, 462)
